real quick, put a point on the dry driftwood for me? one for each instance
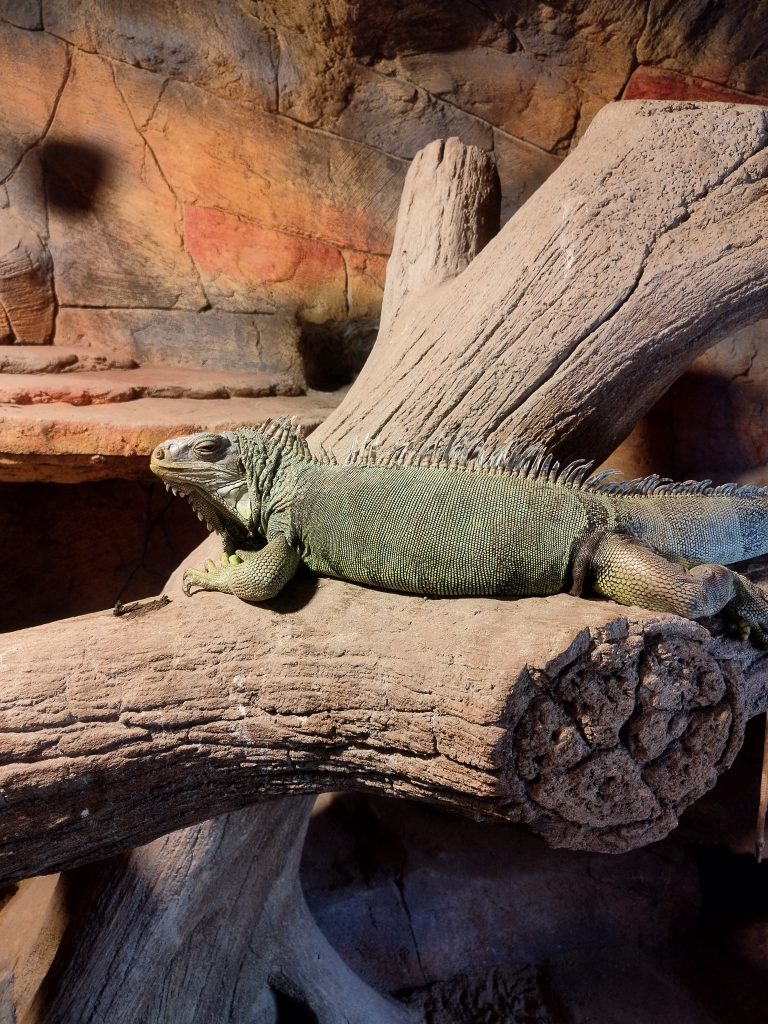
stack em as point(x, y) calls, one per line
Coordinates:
point(251, 937)
point(594, 724)
point(509, 710)
point(645, 247)
point(449, 211)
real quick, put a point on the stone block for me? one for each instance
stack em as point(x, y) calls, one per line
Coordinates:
point(719, 42)
point(275, 173)
point(27, 298)
point(221, 46)
point(213, 339)
point(65, 443)
point(103, 387)
point(522, 168)
point(663, 84)
point(23, 13)
point(589, 44)
point(33, 69)
point(513, 92)
point(384, 109)
point(366, 273)
point(36, 359)
point(115, 224)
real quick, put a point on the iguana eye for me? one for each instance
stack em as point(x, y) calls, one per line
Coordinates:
point(209, 446)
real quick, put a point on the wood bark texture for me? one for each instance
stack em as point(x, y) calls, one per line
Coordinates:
point(594, 725)
point(646, 246)
point(156, 940)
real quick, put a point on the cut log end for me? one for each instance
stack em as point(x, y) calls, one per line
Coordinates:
point(621, 740)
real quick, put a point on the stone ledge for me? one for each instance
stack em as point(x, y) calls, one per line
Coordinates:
point(100, 387)
point(64, 443)
point(46, 359)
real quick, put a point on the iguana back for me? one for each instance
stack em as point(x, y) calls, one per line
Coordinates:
point(446, 532)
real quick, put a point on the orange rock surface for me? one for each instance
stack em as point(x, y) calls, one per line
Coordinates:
point(247, 267)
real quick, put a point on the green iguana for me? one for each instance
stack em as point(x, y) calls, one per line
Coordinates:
point(455, 519)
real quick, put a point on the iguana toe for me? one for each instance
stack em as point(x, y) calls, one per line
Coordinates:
point(187, 582)
point(749, 607)
point(211, 577)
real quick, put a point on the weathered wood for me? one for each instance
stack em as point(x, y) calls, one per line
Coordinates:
point(514, 710)
point(164, 918)
point(643, 248)
point(449, 211)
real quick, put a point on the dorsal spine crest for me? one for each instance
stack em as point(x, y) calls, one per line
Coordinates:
point(523, 460)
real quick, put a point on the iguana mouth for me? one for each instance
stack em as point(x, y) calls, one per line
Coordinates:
point(206, 513)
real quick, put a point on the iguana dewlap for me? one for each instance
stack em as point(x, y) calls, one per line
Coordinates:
point(456, 521)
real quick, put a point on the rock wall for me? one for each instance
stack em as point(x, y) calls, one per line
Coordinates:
point(198, 170)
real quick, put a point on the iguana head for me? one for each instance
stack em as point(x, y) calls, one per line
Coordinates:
point(236, 480)
point(208, 470)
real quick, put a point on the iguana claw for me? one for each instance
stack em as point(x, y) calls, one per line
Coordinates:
point(250, 575)
point(210, 577)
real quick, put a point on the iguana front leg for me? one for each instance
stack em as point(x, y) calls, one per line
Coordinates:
point(249, 575)
point(628, 571)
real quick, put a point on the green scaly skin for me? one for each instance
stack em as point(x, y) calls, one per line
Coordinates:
point(457, 521)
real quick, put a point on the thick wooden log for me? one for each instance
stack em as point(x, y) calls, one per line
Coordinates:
point(157, 941)
point(646, 246)
point(594, 725)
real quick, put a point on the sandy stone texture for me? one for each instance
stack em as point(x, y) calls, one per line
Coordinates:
point(228, 157)
point(248, 268)
point(27, 299)
point(115, 223)
point(719, 42)
point(215, 338)
point(32, 74)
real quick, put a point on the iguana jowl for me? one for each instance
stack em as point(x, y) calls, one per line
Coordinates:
point(453, 520)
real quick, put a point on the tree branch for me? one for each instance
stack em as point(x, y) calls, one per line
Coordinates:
point(514, 710)
point(644, 248)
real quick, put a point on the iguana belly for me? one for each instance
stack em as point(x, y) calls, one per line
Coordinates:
point(445, 533)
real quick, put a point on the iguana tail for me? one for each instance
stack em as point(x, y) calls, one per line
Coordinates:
point(698, 523)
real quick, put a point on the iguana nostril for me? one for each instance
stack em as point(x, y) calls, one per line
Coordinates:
point(158, 453)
